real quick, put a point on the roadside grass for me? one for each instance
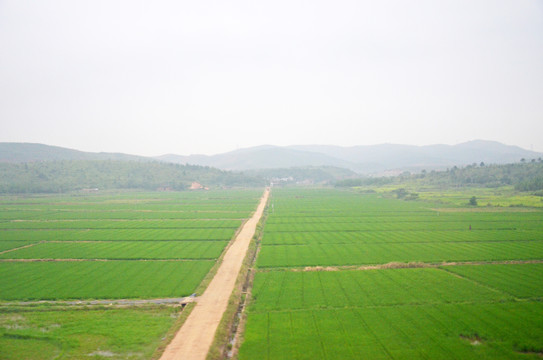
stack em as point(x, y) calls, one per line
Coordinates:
point(165, 340)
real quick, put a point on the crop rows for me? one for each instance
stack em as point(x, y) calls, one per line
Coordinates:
point(509, 330)
point(519, 280)
point(417, 224)
point(121, 250)
point(119, 234)
point(288, 290)
point(129, 245)
point(449, 312)
point(171, 241)
point(120, 224)
point(436, 216)
point(108, 214)
point(100, 279)
point(364, 253)
point(377, 236)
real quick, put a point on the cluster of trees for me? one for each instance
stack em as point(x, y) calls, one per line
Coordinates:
point(525, 176)
point(70, 175)
point(487, 175)
point(531, 184)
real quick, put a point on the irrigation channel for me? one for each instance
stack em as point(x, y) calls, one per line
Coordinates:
point(195, 337)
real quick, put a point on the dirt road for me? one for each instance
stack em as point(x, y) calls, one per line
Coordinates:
point(194, 338)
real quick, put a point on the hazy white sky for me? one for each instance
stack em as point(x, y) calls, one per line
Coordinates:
point(155, 77)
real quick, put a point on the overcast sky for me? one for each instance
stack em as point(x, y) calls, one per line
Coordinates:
point(156, 77)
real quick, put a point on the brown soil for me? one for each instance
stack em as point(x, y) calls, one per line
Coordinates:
point(473, 339)
point(194, 338)
point(400, 265)
point(81, 260)
point(109, 302)
point(321, 268)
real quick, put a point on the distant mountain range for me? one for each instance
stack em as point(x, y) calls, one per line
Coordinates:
point(361, 159)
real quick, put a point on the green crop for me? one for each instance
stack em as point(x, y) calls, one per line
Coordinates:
point(478, 311)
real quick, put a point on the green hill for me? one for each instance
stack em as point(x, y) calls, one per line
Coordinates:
point(30, 152)
point(72, 175)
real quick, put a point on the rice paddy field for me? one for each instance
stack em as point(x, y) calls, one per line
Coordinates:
point(346, 275)
point(130, 245)
point(339, 275)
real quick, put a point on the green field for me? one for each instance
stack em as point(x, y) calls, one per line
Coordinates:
point(339, 274)
point(147, 228)
point(287, 290)
point(446, 331)
point(486, 305)
point(129, 245)
point(117, 250)
point(84, 334)
point(61, 280)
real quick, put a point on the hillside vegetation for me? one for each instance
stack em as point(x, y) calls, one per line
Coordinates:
point(70, 175)
point(524, 176)
point(29, 152)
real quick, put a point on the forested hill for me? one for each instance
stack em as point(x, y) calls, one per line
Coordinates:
point(72, 175)
point(28, 152)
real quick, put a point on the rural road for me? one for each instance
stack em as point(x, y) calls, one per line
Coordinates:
point(194, 339)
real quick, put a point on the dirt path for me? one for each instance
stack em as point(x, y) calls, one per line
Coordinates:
point(194, 338)
point(400, 265)
point(120, 302)
point(83, 260)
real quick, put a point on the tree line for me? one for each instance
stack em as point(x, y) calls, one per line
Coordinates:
point(524, 176)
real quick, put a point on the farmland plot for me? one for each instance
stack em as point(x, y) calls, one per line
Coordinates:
point(113, 246)
point(62, 280)
point(379, 253)
point(83, 334)
point(120, 250)
point(109, 228)
point(445, 331)
point(436, 310)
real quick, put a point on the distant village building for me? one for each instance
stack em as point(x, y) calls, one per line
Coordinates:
point(197, 186)
point(279, 181)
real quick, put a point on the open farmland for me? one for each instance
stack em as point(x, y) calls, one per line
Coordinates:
point(106, 246)
point(344, 275)
point(101, 333)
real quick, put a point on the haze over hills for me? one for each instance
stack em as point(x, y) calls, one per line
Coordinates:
point(261, 157)
point(365, 159)
point(362, 159)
